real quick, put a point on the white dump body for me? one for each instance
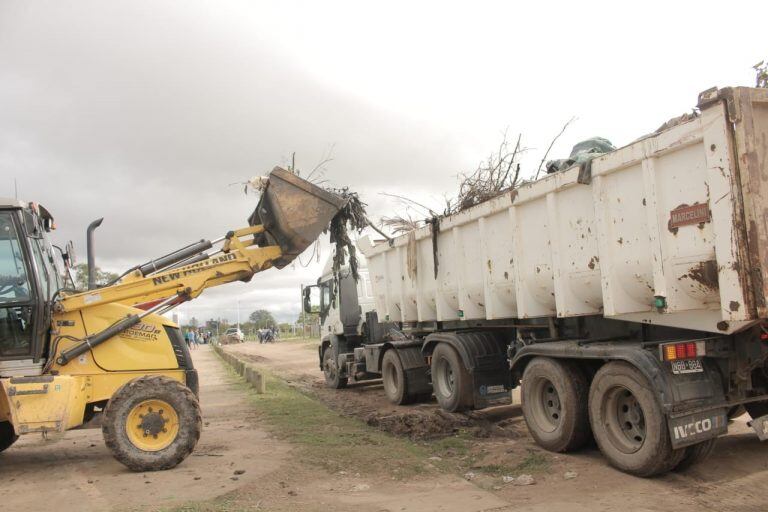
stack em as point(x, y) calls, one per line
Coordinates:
point(669, 230)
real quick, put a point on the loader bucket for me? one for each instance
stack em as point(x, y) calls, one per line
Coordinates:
point(294, 213)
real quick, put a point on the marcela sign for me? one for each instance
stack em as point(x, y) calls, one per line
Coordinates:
point(685, 215)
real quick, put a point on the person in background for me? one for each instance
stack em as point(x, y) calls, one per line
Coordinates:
point(188, 339)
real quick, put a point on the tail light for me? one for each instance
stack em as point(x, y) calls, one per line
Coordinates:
point(764, 331)
point(684, 350)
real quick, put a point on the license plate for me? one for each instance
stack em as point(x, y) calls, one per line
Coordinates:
point(687, 366)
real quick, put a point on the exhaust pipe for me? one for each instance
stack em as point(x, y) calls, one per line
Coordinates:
point(90, 250)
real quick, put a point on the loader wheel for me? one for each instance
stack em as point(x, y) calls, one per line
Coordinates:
point(554, 399)
point(451, 382)
point(331, 371)
point(152, 423)
point(7, 435)
point(628, 423)
point(696, 454)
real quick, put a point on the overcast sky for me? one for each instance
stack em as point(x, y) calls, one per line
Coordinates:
point(144, 112)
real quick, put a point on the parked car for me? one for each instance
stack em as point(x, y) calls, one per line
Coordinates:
point(234, 335)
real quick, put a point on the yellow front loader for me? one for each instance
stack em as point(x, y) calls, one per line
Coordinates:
point(68, 358)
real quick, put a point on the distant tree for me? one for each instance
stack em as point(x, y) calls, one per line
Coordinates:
point(193, 322)
point(81, 276)
point(262, 318)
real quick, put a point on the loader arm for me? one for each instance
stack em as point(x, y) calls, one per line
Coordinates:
point(290, 216)
point(237, 260)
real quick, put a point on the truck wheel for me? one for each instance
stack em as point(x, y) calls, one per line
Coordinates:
point(695, 454)
point(554, 398)
point(628, 423)
point(152, 423)
point(331, 371)
point(451, 381)
point(7, 435)
point(395, 383)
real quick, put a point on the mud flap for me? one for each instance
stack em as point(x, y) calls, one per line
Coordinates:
point(760, 426)
point(415, 369)
point(697, 427)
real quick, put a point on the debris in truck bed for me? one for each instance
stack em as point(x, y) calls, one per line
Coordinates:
point(499, 173)
point(581, 153)
point(761, 70)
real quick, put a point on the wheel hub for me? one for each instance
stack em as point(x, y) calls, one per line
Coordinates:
point(447, 380)
point(547, 408)
point(152, 425)
point(624, 419)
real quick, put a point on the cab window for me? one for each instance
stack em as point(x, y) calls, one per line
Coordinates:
point(15, 299)
point(325, 296)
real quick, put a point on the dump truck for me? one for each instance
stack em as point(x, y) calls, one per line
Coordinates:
point(106, 356)
point(624, 295)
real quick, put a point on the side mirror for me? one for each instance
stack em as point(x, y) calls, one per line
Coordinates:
point(69, 255)
point(307, 299)
point(30, 224)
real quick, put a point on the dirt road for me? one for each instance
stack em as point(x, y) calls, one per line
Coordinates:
point(77, 473)
point(732, 480)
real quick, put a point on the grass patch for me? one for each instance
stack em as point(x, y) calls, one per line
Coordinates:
point(330, 441)
point(534, 462)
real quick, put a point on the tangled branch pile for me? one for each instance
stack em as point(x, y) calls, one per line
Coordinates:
point(499, 173)
point(761, 69)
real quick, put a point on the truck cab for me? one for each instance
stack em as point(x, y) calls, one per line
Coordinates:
point(343, 305)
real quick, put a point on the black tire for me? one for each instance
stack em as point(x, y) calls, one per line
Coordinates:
point(395, 381)
point(757, 409)
point(555, 398)
point(451, 381)
point(331, 372)
point(628, 424)
point(696, 454)
point(123, 436)
point(7, 435)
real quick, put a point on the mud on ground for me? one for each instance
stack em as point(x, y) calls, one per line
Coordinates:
point(489, 444)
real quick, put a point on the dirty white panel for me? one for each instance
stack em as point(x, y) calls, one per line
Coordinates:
point(577, 273)
point(533, 262)
point(498, 265)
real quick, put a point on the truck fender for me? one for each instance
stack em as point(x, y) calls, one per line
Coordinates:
point(676, 393)
point(484, 354)
point(410, 354)
point(414, 365)
point(478, 350)
point(324, 344)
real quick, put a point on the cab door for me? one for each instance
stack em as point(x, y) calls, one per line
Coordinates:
point(17, 295)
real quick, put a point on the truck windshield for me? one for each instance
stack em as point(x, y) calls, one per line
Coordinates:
point(15, 300)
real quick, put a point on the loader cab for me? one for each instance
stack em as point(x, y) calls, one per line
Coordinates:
point(29, 279)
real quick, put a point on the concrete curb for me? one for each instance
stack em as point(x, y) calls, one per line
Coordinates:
point(252, 376)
